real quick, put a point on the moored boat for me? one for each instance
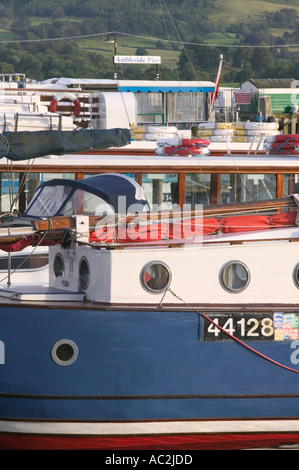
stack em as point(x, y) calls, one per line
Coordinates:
point(159, 329)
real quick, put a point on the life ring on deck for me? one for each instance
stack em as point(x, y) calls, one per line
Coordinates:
point(68, 96)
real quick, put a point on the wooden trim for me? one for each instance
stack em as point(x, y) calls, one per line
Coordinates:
point(100, 168)
point(167, 307)
point(215, 188)
point(182, 189)
point(279, 185)
point(139, 179)
point(61, 222)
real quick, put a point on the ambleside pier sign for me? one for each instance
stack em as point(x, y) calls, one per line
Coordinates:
point(137, 59)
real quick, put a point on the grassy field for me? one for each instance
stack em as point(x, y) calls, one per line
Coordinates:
point(128, 46)
point(233, 11)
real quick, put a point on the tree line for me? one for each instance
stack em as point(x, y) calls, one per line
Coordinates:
point(41, 60)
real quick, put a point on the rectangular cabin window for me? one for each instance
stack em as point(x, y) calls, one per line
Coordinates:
point(161, 190)
point(33, 180)
point(48, 200)
point(150, 108)
point(185, 107)
point(247, 187)
point(9, 190)
point(198, 189)
point(24, 262)
point(131, 175)
point(290, 184)
point(84, 203)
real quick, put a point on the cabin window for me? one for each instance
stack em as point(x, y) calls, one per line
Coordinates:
point(155, 277)
point(198, 189)
point(234, 277)
point(64, 352)
point(161, 190)
point(84, 273)
point(246, 187)
point(150, 108)
point(25, 262)
point(33, 180)
point(48, 201)
point(58, 265)
point(131, 175)
point(84, 203)
point(9, 190)
point(290, 184)
point(185, 107)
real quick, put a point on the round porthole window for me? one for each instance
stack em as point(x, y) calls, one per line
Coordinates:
point(296, 275)
point(234, 276)
point(58, 265)
point(155, 277)
point(84, 273)
point(64, 352)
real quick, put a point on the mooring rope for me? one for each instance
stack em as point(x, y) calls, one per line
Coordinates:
point(232, 336)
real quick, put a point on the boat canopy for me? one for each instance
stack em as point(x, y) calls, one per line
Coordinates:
point(145, 86)
point(25, 145)
point(164, 86)
point(97, 195)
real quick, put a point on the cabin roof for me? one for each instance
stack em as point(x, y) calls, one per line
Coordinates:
point(272, 82)
point(144, 86)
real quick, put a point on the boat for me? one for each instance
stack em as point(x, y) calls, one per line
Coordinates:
point(160, 327)
point(167, 180)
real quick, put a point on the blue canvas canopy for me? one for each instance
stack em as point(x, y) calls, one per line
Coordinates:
point(108, 192)
point(25, 145)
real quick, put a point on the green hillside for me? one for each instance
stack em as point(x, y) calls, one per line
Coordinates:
point(67, 38)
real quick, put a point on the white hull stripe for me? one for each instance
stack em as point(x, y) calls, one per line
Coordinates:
point(149, 428)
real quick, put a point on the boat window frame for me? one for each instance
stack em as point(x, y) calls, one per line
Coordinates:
point(145, 285)
point(83, 284)
point(60, 343)
point(295, 275)
point(224, 285)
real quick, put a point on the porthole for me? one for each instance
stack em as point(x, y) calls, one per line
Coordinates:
point(84, 273)
point(64, 352)
point(296, 275)
point(58, 265)
point(234, 276)
point(155, 277)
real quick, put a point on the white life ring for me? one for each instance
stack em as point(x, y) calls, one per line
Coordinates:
point(174, 151)
point(252, 125)
point(68, 96)
point(214, 125)
point(152, 136)
point(161, 130)
point(181, 141)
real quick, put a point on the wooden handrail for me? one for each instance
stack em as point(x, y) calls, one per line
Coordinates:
point(62, 222)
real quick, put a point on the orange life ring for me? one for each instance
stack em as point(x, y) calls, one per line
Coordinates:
point(68, 96)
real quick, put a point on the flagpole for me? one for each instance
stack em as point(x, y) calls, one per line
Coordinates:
point(217, 81)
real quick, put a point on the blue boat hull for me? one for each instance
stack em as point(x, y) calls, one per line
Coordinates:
point(139, 367)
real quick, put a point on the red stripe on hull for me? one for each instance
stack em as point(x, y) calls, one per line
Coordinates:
point(177, 442)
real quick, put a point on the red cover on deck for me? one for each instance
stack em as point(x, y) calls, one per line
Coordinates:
point(138, 233)
point(284, 219)
point(192, 227)
point(245, 223)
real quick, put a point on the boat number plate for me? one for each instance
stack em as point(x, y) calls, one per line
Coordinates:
point(275, 326)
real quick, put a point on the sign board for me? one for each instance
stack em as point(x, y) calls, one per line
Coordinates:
point(242, 97)
point(137, 59)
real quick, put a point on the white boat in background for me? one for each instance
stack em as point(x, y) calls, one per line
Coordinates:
point(67, 104)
